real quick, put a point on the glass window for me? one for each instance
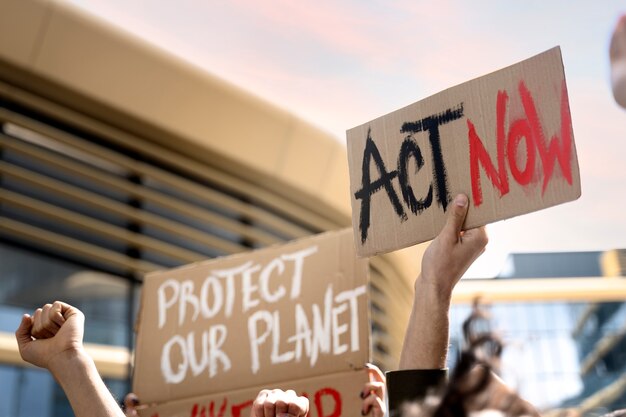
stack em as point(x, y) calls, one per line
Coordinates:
point(31, 279)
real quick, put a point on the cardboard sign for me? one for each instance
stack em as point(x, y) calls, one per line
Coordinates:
point(335, 395)
point(253, 320)
point(504, 139)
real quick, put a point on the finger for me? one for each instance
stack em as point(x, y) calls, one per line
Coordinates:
point(72, 313)
point(372, 405)
point(456, 218)
point(299, 406)
point(374, 373)
point(269, 405)
point(379, 408)
point(257, 406)
point(281, 406)
point(22, 334)
point(376, 388)
point(46, 320)
point(67, 310)
point(56, 313)
point(38, 331)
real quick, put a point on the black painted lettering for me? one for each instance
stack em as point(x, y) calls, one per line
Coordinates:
point(431, 124)
point(369, 188)
point(410, 149)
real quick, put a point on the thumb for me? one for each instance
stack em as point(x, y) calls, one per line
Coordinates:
point(22, 334)
point(456, 218)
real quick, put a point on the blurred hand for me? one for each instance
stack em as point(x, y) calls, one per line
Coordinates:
point(53, 333)
point(373, 393)
point(130, 405)
point(496, 396)
point(617, 56)
point(279, 403)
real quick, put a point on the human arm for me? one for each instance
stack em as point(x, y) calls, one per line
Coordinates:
point(446, 259)
point(53, 339)
point(279, 403)
point(424, 351)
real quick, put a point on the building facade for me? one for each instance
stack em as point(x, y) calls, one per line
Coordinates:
point(117, 159)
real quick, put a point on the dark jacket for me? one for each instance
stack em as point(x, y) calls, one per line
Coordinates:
point(411, 385)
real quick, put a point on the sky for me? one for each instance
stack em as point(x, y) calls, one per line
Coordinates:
point(338, 64)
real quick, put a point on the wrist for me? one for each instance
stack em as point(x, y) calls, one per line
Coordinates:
point(59, 364)
point(433, 291)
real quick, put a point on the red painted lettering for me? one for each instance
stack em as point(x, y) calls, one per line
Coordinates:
point(551, 151)
point(520, 129)
point(222, 408)
point(237, 408)
point(529, 129)
point(478, 154)
point(336, 397)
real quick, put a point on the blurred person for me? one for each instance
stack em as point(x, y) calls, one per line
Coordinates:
point(617, 57)
point(479, 336)
point(53, 339)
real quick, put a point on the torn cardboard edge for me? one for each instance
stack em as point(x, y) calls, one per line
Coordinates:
point(505, 139)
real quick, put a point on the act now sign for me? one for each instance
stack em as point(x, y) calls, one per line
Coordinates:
point(504, 139)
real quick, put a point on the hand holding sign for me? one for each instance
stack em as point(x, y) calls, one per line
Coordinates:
point(443, 264)
point(373, 393)
point(453, 250)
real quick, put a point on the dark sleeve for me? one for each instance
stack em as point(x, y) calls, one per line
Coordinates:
point(411, 385)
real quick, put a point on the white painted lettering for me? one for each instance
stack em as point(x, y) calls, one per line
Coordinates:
point(338, 330)
point(264, 278)
point(211, 285)
point(351, 296)
point(164, 303)
point(187, 297)
point(257, 339)
point(248, 288)
point(298, 260)
point(276, 356)
point(171, 376)
point(229, 277)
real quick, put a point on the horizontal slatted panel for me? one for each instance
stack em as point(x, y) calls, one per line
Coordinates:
point(41, 237)
point(268, 207)
point(97, 226)
point(102, 197)
point(137, 191)
point(111, 206)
